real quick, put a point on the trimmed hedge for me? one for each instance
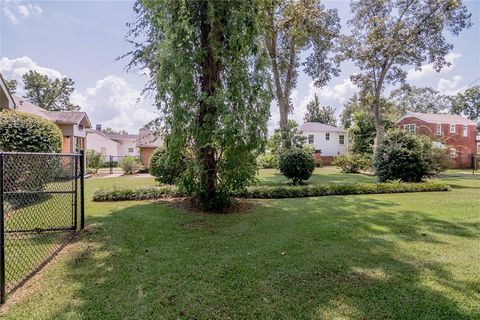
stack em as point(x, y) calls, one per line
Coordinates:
point(23, 132)
point(141, 193)
point(278, 192)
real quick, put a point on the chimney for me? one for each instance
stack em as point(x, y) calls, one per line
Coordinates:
point(98, 127)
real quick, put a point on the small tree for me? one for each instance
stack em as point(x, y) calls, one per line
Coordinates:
point(317, 113)
point(297, 164)
point(94, 160)
point(130, 165)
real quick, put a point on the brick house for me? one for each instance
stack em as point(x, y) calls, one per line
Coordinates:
point(454, 132)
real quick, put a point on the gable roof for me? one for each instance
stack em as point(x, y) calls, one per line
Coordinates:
point(3, 86)
point(59, 117)
point(438, 118)
point(318, 127)
point(100, 133)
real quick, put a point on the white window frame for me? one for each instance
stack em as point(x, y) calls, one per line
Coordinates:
point(411, 127)
point(327, 136)
point(453, 128)
point(341, 139)
point(439, 130)
point(465, 130)
point(312, 136)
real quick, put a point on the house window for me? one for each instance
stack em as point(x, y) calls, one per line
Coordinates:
point(341, 139)
point(130, 150)
point(311, 138)
point(410, 127)
point(452, 128)
point(327, 136)
point(465, 131)
point(439, 130)
point(453, 153)
point(80, 127)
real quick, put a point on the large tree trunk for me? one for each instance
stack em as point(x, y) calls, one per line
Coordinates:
point(207, 113)
point(379, 126)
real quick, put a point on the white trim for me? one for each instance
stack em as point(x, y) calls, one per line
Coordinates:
point(3, 85)
point(454, 127)
point(465, 130)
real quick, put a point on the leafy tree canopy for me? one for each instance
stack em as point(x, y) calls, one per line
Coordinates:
point(317, 113)
point(467, 103)
point(53, 95)
point(290, 28)
point(426, 99)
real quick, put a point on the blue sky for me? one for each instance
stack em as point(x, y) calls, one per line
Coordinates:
point(81, 39)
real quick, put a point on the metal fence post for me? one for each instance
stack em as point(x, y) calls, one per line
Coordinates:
point(2, 234)
point(82, 189)
point(111, 164)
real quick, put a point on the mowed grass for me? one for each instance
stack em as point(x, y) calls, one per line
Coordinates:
point(392, 256)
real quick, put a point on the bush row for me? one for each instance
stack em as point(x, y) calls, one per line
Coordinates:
point(277, 192)
point(141, 193)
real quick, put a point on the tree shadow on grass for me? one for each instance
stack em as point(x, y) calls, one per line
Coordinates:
point(345, 257)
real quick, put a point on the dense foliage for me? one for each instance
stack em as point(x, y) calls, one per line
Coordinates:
point(165, 169)
point(296, 164)
point(423, 99)
point(407, 157)
point(49, 94)
point(353, 163)
point(267, 161)
point(130, 165)
point(94, 160)
point(274, 192)
point(467, 103)
point(22, 132)
point(213, 88)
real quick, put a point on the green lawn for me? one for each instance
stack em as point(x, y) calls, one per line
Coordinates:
point(392, 256)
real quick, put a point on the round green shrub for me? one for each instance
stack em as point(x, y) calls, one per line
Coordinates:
point(297, 164)
point(165, 169)
point(404, 156)
point(23, 132)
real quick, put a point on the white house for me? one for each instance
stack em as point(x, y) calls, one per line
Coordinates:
point(116, 145)
point(328, 141)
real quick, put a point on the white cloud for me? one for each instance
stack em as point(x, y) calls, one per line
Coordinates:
point(428, 70)
point(14, 69)
point(15, 10)
point(449, 86)
point(114, 103)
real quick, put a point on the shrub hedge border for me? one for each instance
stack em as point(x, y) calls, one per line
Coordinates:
point(275, 192)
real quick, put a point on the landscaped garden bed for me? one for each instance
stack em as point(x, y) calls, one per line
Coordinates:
point(274, 192)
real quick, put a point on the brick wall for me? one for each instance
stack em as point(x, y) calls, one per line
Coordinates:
point(464, 146)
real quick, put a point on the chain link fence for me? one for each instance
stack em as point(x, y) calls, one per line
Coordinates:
point(41, 207)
